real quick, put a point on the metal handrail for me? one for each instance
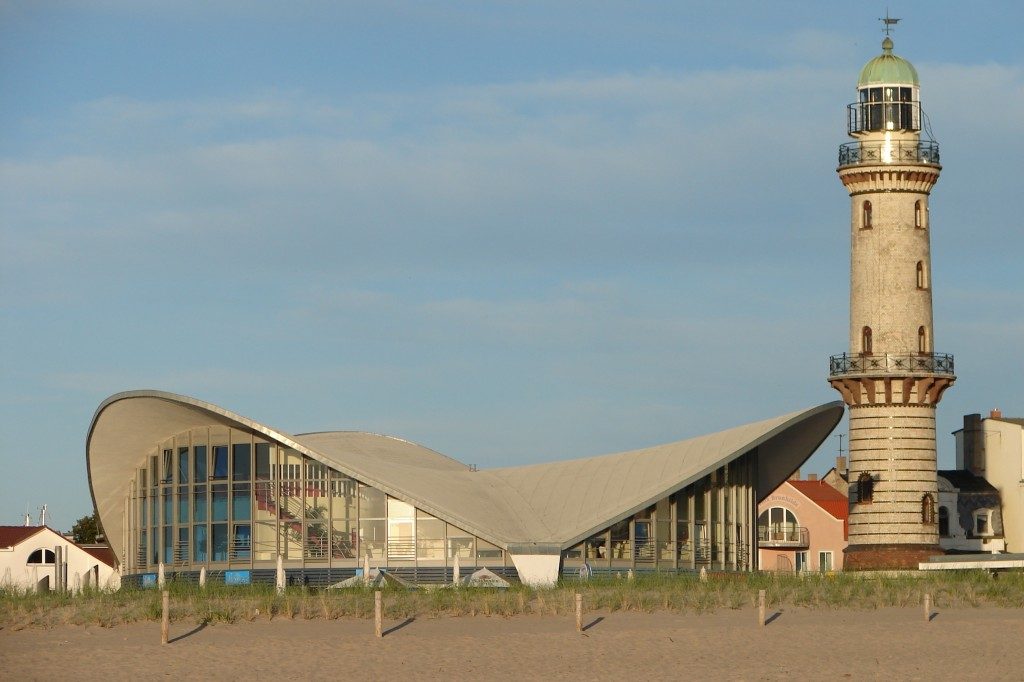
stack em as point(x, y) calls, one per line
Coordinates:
point(895, 151)
point(891, 363)
point(783, 535)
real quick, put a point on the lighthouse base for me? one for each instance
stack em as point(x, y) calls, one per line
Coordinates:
point(887, 557)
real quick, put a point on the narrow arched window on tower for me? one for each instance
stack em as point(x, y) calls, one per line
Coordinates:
point(922, 340)
point(922, 277)
point(918, 215)
point(927, 510)
point(865, 218)
point(865, 488)
point(865, 341)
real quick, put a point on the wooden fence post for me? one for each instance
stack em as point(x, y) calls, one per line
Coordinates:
point(927, 607)
point(760, 608)
point(579, 612)
point(378, 616)
point(165, 620)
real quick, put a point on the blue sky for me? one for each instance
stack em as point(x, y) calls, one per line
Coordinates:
point(512, 232)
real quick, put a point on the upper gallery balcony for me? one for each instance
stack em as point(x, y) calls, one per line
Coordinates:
point(894, 151)
point(891, 364)
point(783, 535)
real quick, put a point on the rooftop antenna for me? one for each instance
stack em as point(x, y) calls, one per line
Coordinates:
point(888, 22)
point(42, 515)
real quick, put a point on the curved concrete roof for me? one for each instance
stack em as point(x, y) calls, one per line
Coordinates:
point(549, 506)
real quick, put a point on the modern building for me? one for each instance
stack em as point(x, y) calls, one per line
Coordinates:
point(185, 483)
point(801, 526)
point(992, 449)
point(891, 378)
point(39, 558)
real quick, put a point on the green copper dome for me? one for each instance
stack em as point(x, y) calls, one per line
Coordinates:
point(887, 68)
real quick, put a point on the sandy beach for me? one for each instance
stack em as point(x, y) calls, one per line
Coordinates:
point(982, 643)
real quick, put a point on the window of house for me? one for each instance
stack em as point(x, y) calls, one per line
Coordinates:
point(777, 524)
point(922, 276)
point(801, 562)
point(927, 509)
point(41, 556)
point(865, 341)
point(865, 488)
point(825, 561)
point(982, 526)
point(943, 522)
point(865, 218)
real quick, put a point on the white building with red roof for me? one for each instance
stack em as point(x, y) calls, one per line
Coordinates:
point(31, 556)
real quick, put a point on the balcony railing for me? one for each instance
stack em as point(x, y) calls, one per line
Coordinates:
point(783, 536)
point(891, 363)
point(896, 151)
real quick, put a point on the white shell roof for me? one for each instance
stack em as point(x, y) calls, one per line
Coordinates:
point(555, 504)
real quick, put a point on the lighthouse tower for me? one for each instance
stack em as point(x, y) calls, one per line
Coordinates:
point(891, 378)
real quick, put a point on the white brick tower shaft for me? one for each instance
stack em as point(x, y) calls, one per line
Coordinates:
point(891, 378)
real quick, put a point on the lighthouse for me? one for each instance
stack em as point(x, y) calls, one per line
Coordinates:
point(891, 378)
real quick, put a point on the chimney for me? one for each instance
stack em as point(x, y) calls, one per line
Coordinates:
point(812, 477)
point(996, 413)
point(795, 476)
point(840, 465)
point(974, 456)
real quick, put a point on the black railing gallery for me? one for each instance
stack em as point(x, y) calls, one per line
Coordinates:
point(891, 363)
point(895, 151)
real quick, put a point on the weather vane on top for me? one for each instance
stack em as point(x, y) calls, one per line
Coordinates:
point(888, 22)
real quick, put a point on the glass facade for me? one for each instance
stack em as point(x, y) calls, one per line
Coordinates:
point(226, 498)
point(710, 523)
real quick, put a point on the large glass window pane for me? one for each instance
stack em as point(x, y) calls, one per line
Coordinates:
point(400, 510)
point(154, 503)
point(220, 502)
point(241, 508)
point(316, 544)
point(181, 550)
point(199, 544)
point(620, 540)
point(182, 465)
point(220, 461)
point(183, 504)
point(200, 463)
point(343, 539)
point(264, 541)
point(429, 537)
point(241, 542)
point(265, 500)
point(168, 544)
point(199, 503)
point(372, 537)
point(219, 537)
point(263, 461)
point(343, 498)
point(167, 468)
point(241, 464)
point(372, 503)
point(485, 550)
point(460, 543)
point(168, 505)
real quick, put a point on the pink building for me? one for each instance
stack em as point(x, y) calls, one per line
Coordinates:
point(802, 526)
